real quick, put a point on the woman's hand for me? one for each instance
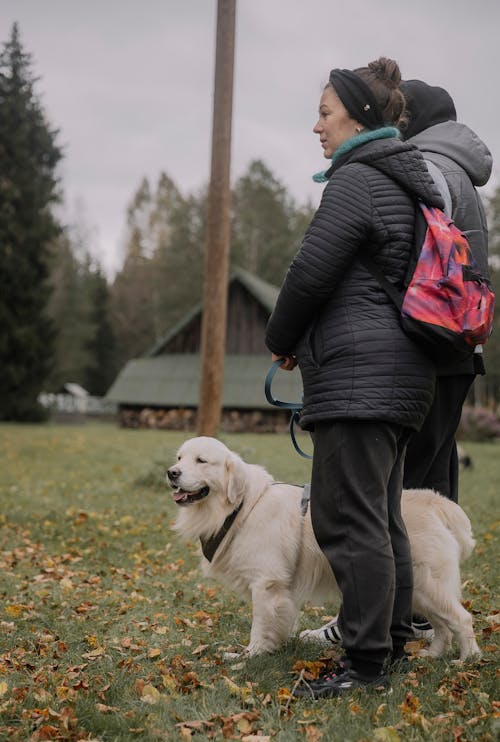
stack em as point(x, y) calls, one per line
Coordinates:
point(289, 362)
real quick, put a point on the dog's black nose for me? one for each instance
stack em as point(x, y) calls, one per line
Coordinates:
point(173, 474)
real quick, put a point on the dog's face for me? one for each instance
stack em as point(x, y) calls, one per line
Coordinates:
point(204, 466)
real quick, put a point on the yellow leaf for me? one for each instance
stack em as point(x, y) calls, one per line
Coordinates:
point(65, 693)
point(15, 610)
point(415, 646)
point(409, 705)
point(244, 726)
point(94, 654)
point(311, 669)
point(235, 690)
point(169, 682)
point(283, 694)
point(3, 688)
point(386, 734)
point(150, 694)
point(255, 738)
point(155, 652)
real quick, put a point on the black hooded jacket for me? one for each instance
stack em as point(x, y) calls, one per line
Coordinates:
point(356, 362)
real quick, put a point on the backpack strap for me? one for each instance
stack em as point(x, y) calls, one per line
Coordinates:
point(419, 236)
point(389, 288)
point(440, 181)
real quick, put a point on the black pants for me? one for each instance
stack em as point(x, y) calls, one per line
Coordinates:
point(431, 456)
point(357, 478)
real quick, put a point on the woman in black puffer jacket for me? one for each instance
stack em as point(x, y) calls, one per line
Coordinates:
point(366, 384)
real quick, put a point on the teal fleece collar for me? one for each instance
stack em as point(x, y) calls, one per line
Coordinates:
point(384, 132)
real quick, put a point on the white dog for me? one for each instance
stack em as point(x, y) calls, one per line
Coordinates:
point(257, 542)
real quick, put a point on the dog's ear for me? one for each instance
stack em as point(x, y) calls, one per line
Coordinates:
point(235, 479)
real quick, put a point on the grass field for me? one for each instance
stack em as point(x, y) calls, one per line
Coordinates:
point(109, 632)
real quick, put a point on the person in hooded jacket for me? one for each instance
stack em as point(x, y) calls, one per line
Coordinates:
point(367, 385)
point(431, 459)
point(465, 161)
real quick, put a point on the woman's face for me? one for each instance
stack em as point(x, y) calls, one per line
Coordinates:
point(334, 124)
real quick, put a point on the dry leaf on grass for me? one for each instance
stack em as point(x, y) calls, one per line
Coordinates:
point(386, 734)
point(150, 694)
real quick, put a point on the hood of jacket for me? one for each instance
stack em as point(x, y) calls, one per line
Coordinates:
point(426, 105)
point(456, 141)
point(401, 161)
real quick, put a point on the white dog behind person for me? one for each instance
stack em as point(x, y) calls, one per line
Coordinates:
point(367, 386)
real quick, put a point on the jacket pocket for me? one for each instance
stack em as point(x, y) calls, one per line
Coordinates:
point(310, 347)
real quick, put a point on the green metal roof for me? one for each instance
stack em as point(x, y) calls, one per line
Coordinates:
point(173, 380)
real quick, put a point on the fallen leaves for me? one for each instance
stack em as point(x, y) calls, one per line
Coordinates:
point(16, 610)
point(386, 734)
point(107, 628)
point(309, 670)
point(410, 713)
point(234, 726)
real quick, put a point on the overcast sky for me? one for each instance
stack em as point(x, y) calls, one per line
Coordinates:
point(129, 84)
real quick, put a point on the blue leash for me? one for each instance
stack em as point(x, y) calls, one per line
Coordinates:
point(294, 407)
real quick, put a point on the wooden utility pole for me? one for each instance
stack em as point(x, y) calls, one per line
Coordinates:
point(213, 327)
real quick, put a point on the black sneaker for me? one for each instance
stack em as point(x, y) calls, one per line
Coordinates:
point(334, 684)
point(399, 664)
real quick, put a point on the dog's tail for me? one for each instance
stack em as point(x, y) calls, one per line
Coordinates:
point(458, 523)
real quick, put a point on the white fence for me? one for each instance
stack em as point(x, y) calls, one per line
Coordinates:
point(70, 404)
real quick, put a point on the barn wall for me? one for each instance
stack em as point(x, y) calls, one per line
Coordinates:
point(246, 323)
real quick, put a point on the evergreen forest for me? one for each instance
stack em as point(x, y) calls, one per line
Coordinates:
point(62, 318)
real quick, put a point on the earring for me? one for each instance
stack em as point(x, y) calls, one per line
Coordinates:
point(358, 130)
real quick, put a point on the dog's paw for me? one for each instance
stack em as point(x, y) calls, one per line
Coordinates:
point(471, 657)
point(425, 653)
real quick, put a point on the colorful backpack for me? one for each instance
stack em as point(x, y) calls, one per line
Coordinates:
point(446, 305)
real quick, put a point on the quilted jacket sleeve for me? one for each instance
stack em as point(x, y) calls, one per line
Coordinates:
point(339, 227)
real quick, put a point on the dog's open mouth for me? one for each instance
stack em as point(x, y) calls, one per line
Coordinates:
point(182, 497)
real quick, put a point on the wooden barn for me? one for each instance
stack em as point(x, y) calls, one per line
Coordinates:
point(161, 389)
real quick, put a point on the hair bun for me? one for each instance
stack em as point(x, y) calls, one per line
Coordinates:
point(386, 70)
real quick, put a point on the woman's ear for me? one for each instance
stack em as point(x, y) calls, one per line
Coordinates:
point(235, 479)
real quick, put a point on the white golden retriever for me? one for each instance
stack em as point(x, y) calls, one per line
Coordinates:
point(269, 552)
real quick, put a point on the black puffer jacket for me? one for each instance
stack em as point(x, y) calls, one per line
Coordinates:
point(356, 361)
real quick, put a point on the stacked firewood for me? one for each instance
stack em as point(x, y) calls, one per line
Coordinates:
point(233, 421)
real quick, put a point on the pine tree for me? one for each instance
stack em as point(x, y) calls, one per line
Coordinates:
point(101, 369)
point(267, 226)
point(132, 302)
point(179, 255)
point(28, 189)
point(70, 308)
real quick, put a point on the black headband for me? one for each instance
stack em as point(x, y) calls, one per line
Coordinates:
point(357, 97)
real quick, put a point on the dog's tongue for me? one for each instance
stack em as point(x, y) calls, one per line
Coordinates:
point(180, 495)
